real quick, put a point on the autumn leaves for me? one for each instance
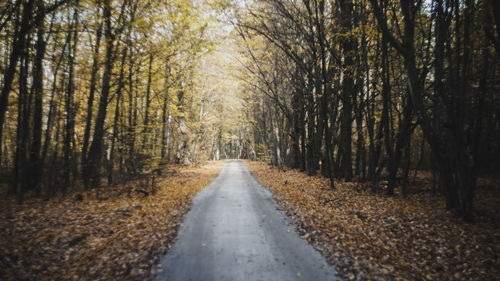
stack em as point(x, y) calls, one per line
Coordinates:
point(377, 237)
point(121, 237)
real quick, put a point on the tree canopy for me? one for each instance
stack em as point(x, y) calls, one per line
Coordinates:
point(358, 90)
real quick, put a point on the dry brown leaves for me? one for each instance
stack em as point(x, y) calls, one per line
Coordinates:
point(374, 237)
point(120, 238)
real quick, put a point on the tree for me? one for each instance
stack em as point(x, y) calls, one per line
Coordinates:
point(408, 79)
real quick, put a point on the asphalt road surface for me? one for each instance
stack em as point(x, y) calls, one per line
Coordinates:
point(234, 231)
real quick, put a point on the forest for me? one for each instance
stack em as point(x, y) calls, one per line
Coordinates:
point(97, 91)
point(371, 90)
point(377, 95)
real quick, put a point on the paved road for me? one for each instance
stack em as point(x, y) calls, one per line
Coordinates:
point(234, 231)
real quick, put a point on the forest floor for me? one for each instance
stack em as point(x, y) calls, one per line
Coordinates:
point(376, 237)
point(119, 236)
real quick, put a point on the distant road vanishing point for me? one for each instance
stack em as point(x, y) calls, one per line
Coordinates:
point(234, 231)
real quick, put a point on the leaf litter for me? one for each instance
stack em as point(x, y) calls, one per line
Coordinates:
point(120, 238)
point(374, 237)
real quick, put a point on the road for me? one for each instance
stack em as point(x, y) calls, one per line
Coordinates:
point(235, 231)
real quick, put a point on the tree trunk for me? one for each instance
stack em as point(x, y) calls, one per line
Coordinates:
point(117, 115)
point(69, 102)
point(24, 107)
point(386, 120)
point(90, 101)
point(146, 131)
point(36, 166)
point(18, 45)
point(347, 91)
point(96, 149)
point(164, 116)
point(182, 156)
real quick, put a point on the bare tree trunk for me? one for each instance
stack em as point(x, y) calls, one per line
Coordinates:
point(96, 149)
point(36, 165)
point(386, 120)
point(182, 156)
point(117, 116)
point(24, 107)
point(69, 101)
point(347, 91)
point(165, 116)
point(90, 101)
point(146, 130)
point(18, 45)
